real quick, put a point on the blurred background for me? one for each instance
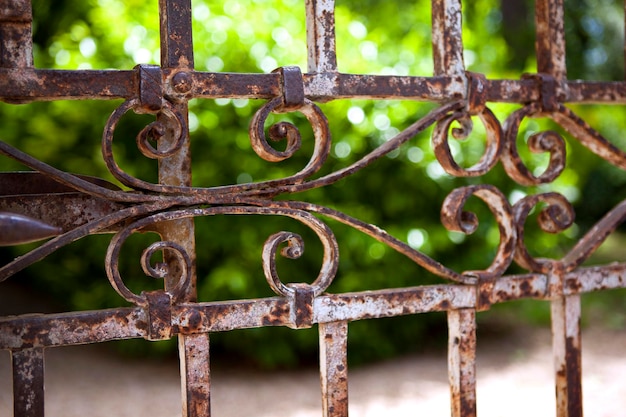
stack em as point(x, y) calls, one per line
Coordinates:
point(402, 192)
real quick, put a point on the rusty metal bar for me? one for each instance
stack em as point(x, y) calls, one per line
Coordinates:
point(16, 43)
point(566, 342)
point(377, 87)
point(334, 368)
point(195, 318)
point(28, 382)
point(320, 25)
point(40, 207)
point(47, 85)
point(388, 303)
point(195, 375)
point(550, 42)
point(177, 54)
point(447, 40)
point(176, 38)
point(42, 85)
point(36, 330)
point(462, 361)
point(225, 316)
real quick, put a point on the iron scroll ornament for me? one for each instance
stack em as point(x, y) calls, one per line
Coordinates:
point(149, 203)
point(553, 143)
point(143, 202)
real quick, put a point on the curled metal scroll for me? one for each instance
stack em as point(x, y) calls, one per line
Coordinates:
point(553, 143)
point(153, 132)
point(492, 147)
point(270, 250)
point(241, 199)
point(555, 217)
point(455, 219)
point(549, 141)
point(295, 248)
point(160, 271)
point(289, 132)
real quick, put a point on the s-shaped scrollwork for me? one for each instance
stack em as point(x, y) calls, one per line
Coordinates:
point(293, 250)
point(440, 140)
point(454, 218)
point(289, 132)
point(153, 132)
point(556, 217)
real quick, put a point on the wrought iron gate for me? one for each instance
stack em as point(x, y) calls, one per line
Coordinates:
point(170, 205)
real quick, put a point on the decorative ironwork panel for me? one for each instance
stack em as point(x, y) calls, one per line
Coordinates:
point(169, 205)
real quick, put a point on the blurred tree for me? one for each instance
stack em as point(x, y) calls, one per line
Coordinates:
point(373, 36)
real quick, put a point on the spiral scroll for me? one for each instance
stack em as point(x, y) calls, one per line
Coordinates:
point(290, 133)
point(549, 141)
point(556, 217)
point(492, 148)
point(159, 271)
point(455, 219)
point(153, 132)
point(293, 250)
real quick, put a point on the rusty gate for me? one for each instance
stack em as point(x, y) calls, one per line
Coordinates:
point(170, 205)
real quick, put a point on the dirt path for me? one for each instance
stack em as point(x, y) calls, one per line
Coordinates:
point(514, 379)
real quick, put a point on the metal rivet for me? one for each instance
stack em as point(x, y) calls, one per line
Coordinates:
point(181, 82)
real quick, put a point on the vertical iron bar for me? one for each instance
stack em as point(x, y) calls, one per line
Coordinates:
point(566, 344)
point(550, 42)
point(177, 53)
point(195, 375)
point(320, 29)
point(28, 382)
point(447, 37)
point(16, 41)
point(334, 368)
point(176, 38)
point(462, 361)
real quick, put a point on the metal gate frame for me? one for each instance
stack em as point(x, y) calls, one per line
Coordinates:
point(170, 206)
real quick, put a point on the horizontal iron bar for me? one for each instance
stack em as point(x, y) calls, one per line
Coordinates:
point(103, 325)
point(23, 85)
point(75, 328)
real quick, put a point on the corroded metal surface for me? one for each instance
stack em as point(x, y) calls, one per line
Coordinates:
point(334, 368)
point(462, 362)
point(28, 382)
point(63, 207)
point(16, 44)
point(320, 15)
point(567, 349)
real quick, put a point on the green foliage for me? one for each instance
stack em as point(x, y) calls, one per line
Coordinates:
point(402, 192)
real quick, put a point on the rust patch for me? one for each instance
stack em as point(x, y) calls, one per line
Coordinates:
point(573, 284)
point(276, 316)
